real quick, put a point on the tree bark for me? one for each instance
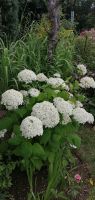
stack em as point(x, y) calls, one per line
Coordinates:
point(54, 18)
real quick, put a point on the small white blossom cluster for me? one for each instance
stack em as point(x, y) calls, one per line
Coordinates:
point(82, 116)
point(2, 133)
point(47, 113)
point(56, 91)
point(76, 104)
point(24, 93)
point(87, 82)
point(11, 99)
point(33, 92)
point(41, 77)
point(70, 95)
point(66, 119)
point(63, 106)
point(82, 68)
point(57, 75)
point(31, 127)
point(27, 76)
point(65, 86)
point(79, 104)
point(55, 82)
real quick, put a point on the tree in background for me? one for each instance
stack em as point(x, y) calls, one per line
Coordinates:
point(54, 18)
point(84, 12)
point(16, 16)
point(9, 18)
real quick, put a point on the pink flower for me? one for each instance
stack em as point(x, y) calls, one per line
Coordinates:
point(77, 178)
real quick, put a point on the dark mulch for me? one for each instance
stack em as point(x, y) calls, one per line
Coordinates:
point(20, 187)
point(2, 113)
point(83, 170)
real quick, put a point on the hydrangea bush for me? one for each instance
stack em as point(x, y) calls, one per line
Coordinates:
point(42, 120)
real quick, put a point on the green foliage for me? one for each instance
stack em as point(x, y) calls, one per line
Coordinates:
point(25, 53)
point(85, 51)
point(9, 15)
point(5, 174)
point(64, 53)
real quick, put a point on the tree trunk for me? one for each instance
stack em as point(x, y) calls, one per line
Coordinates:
point(53, 12)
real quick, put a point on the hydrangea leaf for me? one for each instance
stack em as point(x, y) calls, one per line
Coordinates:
point(38, 151)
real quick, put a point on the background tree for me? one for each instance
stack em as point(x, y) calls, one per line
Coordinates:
point(9, 18)
point(53, 13)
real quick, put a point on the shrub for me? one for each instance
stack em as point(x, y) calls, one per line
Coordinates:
point(43, 129)
point(31, 52)
point(85, 49)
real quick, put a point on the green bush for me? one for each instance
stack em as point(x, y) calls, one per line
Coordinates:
point(85, 51)
point(31, 52)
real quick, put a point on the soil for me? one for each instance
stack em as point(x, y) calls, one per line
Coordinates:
point(2, 113)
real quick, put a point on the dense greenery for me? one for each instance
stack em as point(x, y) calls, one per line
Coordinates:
point(24, 47)
point(17, 16)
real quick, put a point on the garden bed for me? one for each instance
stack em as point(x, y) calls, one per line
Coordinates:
point(20, 187)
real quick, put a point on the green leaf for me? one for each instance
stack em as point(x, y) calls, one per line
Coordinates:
point(16, 130)
point(51, 157)
point(45, 138)
point(24, 150)
point(37, 163)
point(21, 112)
point(3, 147)
point(6, 123)
point(74, 139)
point(64, 95)
point(38, 151)
point(64, 163)
point(16, 140)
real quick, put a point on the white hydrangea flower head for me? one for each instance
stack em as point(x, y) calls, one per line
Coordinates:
point(55, 82)
point(2, 133)
point(33, 92)
point(66, 119)
point(65, 86)
point(57, 75)
point(87, 82)
point(82, 69)
point(63, 107)
point(24, 93)
point(82, 116)
point(47, 113)
point(31, 127)
point(41, 77)
point(56, 91)
point(11, 99)
point(26, 76)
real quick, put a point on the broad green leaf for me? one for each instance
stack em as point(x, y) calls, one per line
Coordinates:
point(24, 150)
point(64, 95)
point(38, 150)
point(6, 123)
point(16, 130)
point(74, 139)
point(16, 140)
point(45, 138)
point(37, 163)
point(3, 147)
point(21, 112)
